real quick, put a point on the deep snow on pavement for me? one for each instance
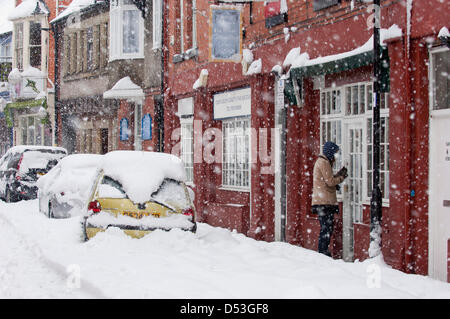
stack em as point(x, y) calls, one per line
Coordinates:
point(41, 257)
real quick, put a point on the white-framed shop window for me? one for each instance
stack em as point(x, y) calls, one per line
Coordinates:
point(126, 31)
point(31, 130)
point(236, 153)
point(187, 146)
point(138, 126)
point(353, 102)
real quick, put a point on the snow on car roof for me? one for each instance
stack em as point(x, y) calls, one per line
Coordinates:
point(22, 148)
point(81, 160)
point(141, 173)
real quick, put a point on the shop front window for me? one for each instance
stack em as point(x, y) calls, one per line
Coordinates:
point(236, 153)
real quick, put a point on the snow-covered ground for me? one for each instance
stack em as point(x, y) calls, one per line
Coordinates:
point(44, 258)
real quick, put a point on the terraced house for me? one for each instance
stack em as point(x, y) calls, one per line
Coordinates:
point(269, 83)
point(108, 76)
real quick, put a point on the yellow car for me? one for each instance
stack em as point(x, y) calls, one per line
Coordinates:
point(139, 192)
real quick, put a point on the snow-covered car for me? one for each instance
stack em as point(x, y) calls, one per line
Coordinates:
point(64, 191)
point(139, 192)
point(22, 166)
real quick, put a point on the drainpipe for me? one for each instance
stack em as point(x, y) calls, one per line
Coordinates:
point(161, 105)
point(56, 85)
point(410, 123)
point(376, 201)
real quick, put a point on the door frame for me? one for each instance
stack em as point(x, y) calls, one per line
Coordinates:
point(347, 216)
point(432, 204)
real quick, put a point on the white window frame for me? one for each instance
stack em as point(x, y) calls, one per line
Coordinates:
point(187, 147)
point(432, 82)
point(234, 158)
point(138, 126)
point(116, 49)
point(363, 117)
point(157, 24)
point(28, 128)
point(183, 49)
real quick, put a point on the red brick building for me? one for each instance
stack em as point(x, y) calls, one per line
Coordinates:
point(224, 63)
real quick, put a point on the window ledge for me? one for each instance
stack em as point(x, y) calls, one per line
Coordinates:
point(132, 57)
point(234, 189)
point(189, 54)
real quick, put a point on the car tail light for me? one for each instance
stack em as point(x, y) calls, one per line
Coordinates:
point(18, 177)
point(95, 207)
point(20, 162)
point(188, 212)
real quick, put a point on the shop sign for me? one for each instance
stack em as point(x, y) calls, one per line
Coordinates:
point(232, 103)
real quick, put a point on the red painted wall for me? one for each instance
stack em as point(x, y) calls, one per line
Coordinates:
point(330, 31)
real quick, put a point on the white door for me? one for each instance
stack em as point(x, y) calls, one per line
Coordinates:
point(439, 212)
point(439, 179)
point(353, 185)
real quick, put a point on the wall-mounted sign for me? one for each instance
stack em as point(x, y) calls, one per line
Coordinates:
point(279, 94)
point(124, 129)
point(233, 103)
point(146, 127)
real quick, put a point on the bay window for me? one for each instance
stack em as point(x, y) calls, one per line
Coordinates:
point(18, 45)
point(126, 30)
point(35, 44)
point(31, 130)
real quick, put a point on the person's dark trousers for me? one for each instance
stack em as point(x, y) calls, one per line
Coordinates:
point(326, 219)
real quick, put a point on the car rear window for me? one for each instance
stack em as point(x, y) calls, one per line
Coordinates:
point(110, 188)
point(42, 160)
point(172, 193)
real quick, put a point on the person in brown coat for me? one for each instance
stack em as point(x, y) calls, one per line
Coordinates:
point(324, 200)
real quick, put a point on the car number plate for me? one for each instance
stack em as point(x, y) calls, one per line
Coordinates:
point(140, 215)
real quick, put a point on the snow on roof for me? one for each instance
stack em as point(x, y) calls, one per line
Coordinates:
point(124, 88)
point(74, 6)
point(295, 59)
point(444, 33)
point(14, 75)
point(6, 25)
point(255, 67)
point(201, 81)
point(291, 56)
point(141, 173)
point(247, 55)
point(28, 8)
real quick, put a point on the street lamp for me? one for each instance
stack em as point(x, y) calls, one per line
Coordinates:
point(375, 201)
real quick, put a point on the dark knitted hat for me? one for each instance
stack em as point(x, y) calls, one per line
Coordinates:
point(329, 149)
